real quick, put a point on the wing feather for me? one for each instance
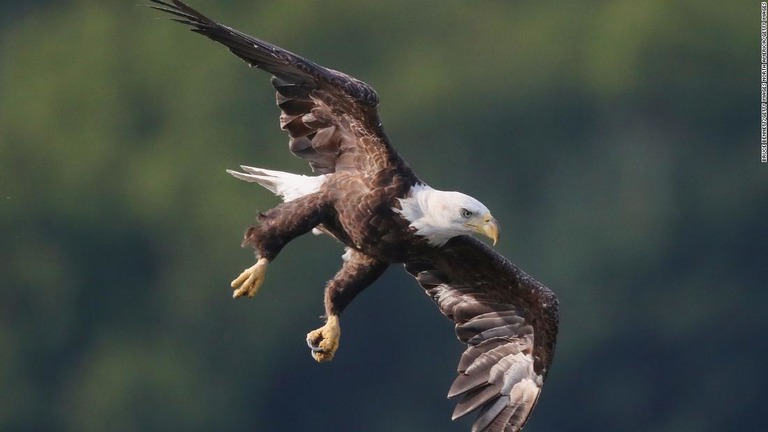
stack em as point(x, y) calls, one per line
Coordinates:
point(331, 114)
point(508, 321)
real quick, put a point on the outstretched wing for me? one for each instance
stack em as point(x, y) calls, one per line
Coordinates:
point(508, 321)
point(331, 117)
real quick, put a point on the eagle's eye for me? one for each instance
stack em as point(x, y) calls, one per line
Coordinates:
point(466, 214)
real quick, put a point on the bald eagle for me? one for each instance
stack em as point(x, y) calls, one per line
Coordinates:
point(368, 198)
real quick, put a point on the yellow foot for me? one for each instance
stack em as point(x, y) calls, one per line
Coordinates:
point(325, 341)
point(249, 281)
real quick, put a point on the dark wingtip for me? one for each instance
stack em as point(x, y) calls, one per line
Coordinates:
point(180, 9)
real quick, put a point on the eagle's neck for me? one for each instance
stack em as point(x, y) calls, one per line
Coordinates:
point(424, 209)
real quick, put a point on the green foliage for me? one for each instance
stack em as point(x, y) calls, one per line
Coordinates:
point(616, 142)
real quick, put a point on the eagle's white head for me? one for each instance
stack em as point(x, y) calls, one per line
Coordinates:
point(440, 215)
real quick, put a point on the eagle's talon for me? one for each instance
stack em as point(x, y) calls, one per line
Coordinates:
point(250, 280)
point(325, 341)
point(312, 346)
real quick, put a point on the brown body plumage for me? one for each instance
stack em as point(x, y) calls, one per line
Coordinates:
point(507, 319)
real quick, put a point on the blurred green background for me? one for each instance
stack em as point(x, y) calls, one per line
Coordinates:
point(617, 142)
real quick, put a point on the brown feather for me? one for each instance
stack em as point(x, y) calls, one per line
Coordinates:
point(508, 321)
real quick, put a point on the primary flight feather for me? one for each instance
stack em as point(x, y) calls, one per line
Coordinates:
point(367, 197)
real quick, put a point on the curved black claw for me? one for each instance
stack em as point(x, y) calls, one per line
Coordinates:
point(314, 347)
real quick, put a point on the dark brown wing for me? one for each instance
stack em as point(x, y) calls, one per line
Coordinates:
point(331, 118)
point(508, 321)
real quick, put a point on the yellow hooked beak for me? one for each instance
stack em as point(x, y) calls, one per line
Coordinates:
point(489, 228)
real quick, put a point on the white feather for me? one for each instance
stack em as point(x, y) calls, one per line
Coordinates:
point(286, 185)
point(436, 214)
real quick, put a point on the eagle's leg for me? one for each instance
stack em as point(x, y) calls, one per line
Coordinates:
point(357, 273)
point(276, 228)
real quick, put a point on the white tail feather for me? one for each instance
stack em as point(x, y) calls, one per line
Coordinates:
point(286, 185)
